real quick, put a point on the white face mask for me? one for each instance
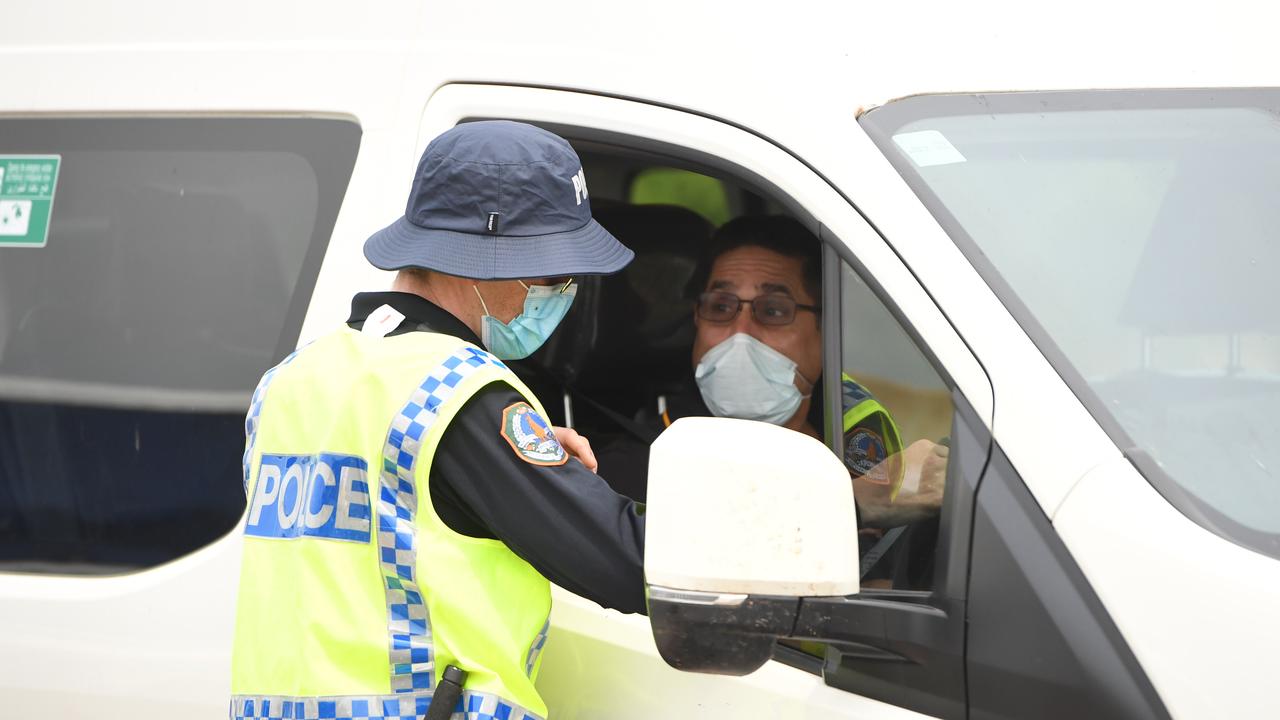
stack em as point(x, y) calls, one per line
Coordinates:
point(744, 378)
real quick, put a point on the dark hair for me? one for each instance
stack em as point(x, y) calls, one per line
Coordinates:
point(777, 233)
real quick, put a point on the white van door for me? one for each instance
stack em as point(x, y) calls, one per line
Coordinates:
point(882, 329)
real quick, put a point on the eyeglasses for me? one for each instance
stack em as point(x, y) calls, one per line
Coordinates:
point(774, 309)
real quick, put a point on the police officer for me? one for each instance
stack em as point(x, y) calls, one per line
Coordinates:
point(408, 501)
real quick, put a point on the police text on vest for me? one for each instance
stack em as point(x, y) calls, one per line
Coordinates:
point(324, 495)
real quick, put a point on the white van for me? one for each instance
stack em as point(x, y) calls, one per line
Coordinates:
point(1049, 236)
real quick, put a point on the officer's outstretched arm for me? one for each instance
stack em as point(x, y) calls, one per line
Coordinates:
point(504, 474)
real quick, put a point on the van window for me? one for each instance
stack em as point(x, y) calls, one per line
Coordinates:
point(1134, 235)
point(897, 428)
point(897, 415)
point(180, 257)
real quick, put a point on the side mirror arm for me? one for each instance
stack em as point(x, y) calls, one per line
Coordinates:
point(868, 628)
point(721, 633)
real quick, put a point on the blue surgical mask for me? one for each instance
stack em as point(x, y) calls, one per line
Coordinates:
point(746, 379)
point(544, 307)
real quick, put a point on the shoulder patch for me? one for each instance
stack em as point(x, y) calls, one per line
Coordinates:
point(530, 436)
point(864, 451)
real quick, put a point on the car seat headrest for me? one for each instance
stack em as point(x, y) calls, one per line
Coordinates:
point(633, 328)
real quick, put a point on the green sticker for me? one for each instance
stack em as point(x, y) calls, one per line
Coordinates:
point(27, 183)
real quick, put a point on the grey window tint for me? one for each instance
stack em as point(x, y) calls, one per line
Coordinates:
point(180, 258)
point(900, 499)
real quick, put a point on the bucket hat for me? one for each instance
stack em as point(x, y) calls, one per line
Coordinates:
point(498, 200)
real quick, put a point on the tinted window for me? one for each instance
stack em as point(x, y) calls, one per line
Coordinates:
point(897, 428)
point(180, 258)
point(1135, 235)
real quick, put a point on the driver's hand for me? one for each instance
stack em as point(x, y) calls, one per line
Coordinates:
point(577, 446)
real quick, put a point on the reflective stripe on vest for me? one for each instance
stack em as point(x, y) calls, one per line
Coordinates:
point(400, 706)
point(409, 628)
point(531, 660)
point(310, 639)
point(251, 418)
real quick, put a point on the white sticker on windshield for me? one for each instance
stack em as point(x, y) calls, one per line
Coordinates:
point(927, 148)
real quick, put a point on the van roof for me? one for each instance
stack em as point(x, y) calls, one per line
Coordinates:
point(773, 66)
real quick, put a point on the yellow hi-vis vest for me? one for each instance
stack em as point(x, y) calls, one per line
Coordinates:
point(870, 447)
point(354, 595)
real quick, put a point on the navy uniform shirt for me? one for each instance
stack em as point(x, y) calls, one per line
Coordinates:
point(564, 520)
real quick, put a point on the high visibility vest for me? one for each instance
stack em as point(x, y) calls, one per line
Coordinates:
point(354, 595)
point(862, 409)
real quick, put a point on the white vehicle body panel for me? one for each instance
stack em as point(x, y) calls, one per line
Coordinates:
point(1180, 592)
point(590, 649)
point(152, 644)
point(1196, 610)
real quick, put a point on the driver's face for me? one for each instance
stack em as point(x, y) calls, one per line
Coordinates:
point(750, 272)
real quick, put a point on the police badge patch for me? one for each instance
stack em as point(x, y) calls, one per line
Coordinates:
point(864, 452)
point(530, 436)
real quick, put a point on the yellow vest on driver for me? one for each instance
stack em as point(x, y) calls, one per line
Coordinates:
point(354, 595)
point(872, 444)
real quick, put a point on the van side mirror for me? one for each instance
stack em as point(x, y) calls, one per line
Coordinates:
point(744, 520)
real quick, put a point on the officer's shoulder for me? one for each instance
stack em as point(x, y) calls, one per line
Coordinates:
point(852, 393)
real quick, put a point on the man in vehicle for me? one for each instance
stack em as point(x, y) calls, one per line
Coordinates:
point(408, 501)
point(757, 355)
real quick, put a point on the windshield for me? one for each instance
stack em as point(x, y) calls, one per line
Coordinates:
point(1135, 235)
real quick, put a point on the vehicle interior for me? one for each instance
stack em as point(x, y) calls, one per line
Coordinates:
point(625, 347)
point(626, 344)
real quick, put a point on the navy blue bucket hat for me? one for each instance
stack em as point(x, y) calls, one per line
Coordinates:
point(498, 200)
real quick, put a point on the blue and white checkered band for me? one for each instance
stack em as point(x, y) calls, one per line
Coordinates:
point(852, 394)
point(536, 648)
point(412, 655)
point(255, 408)
point(401, 706)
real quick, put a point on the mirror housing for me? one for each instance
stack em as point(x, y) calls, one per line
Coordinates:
point(744, 519)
